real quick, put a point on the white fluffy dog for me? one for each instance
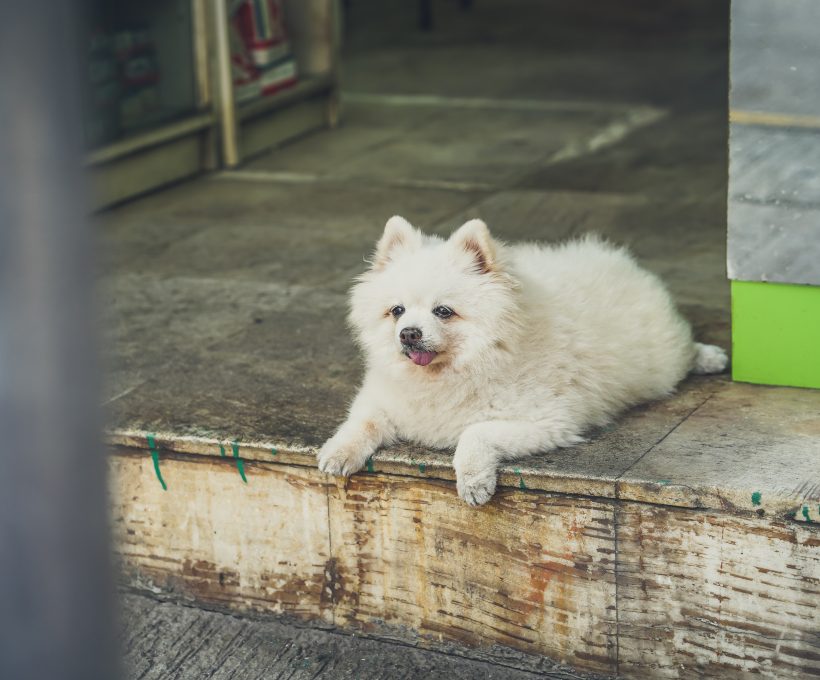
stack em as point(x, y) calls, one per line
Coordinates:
point(503, 351)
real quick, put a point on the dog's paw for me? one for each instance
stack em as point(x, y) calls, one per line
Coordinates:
point(476, 488)
point(475, 473)
point(340, 459)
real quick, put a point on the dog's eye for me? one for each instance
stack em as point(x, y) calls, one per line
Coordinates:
point(443, 312)
point(397, 311)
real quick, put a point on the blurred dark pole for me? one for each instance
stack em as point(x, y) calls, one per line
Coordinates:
point(55, 584)
point(426, 15)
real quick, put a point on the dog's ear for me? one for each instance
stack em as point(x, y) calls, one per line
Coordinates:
point(398, 234)
point(474, 238)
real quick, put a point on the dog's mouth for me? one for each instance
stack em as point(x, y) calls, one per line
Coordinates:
point(419, 356)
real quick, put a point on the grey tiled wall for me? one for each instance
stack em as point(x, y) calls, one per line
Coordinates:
point(774, 148)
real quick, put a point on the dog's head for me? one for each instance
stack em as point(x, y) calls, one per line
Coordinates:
point(430, 305)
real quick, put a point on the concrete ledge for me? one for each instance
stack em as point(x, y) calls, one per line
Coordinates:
point(690, 451)
point(633, 575)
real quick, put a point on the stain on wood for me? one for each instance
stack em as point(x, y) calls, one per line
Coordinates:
point(611, 586)
point(261, 546)
point(702, 594)
point(530, 571)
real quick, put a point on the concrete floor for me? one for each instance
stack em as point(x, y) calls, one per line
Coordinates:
point(609, 121)
point(546, 120)
point(167, 641)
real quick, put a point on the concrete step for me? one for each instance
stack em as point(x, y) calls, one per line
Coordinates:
point(698, 557)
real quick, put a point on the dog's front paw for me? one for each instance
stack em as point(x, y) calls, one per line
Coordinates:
point(339, 458)
point(475, 475)
point(478, 487)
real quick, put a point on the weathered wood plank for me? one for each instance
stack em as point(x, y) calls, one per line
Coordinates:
point(530, 571)
point(212, 538)
point(607, 585)
point(709, 595)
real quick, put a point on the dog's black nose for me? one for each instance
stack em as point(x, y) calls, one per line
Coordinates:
point(410, 336)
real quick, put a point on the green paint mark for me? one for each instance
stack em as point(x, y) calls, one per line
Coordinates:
point(239, 464)
point(775, 326)
point(806, 513)
point(422, 467)
point(273, 451)
point(756, 498)
point(370, 467)
point(152, 445)
point(222, 450)
point(521, 484)
point(155, 456)
point(664, 482)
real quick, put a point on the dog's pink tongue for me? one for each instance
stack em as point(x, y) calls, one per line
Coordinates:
point(422, 358)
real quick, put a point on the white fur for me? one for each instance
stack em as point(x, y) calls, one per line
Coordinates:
point(547, 341)
point(709, 359)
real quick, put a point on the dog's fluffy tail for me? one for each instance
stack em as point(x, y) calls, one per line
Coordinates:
point(709, 359)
